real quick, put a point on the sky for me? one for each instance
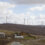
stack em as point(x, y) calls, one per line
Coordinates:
point(26, 12)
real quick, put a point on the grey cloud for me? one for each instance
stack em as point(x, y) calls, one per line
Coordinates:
point(28, 1)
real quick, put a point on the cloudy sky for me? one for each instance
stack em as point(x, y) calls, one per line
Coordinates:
point(27, 12)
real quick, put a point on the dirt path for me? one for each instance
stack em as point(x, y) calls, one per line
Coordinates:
point(15, 43)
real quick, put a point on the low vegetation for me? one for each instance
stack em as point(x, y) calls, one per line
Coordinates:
point(7, 32)
point(29, 39)
point(42, 41)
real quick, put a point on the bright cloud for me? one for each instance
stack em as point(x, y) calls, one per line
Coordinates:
point(39, 8)
point(7, 5)
point(5, 10)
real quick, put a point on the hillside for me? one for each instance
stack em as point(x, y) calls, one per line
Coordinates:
point(38, 30)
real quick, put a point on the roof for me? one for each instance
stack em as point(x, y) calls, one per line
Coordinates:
point(2, 33)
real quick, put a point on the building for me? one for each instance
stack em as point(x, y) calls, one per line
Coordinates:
point(2, 35)
point(18, 36)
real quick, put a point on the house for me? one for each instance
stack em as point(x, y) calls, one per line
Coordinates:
point(8, 36)
point(2, 35)
point(17, 35)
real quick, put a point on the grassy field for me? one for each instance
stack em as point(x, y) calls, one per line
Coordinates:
point(38, 41)
point(7, 32)
point(33, 40)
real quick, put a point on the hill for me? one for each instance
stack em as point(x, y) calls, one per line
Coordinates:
point(37, 30)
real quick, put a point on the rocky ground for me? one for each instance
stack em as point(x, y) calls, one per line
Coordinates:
point(38, 41)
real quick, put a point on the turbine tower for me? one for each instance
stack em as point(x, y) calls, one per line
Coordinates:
point(24, 20)
point(6, 19)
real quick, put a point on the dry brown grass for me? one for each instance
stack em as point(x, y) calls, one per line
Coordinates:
point(7, 32)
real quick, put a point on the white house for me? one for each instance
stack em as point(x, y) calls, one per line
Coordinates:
point(2, 35)
point(18, 36)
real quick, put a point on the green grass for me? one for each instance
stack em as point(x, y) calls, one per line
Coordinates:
point(27, 37)
point(32, 37)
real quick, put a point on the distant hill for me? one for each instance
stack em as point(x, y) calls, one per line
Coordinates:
point(38, 29)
